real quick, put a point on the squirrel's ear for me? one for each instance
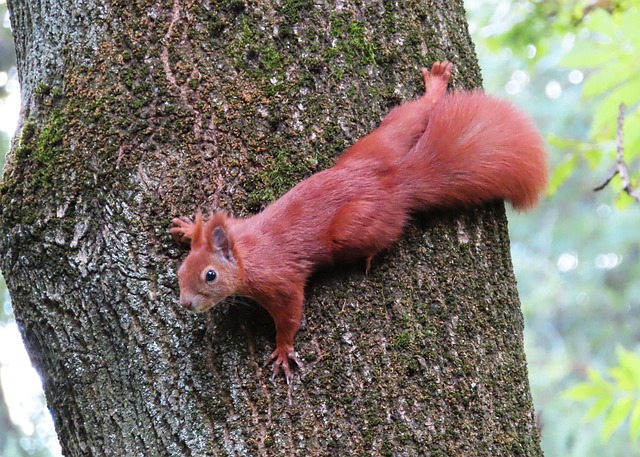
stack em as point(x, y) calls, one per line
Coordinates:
point(222, 244)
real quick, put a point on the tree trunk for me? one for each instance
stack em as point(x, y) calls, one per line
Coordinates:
point(137, 111)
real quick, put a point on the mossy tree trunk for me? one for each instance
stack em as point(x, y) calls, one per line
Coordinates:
point(138, 111)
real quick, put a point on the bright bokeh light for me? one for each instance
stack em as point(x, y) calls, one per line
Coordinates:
point(567, 261)
point(22, 388)
point(582, 298)
point(553, 89)
point(19, 379)
point(6, 23)
point(531, 51)
point(575, 77)
point(9, 105)
point(603, 211)
point(608, 261)
point(519, 80)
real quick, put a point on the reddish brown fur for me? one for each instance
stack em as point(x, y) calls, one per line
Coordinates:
point(440, 150)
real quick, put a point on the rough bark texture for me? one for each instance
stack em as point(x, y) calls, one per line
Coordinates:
point(137, 111)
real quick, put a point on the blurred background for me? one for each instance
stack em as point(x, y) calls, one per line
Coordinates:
point(569, 64)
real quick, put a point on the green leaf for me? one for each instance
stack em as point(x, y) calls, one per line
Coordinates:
point(593, 156)
point(587, 54)
point(603, 23)
point(624, 378)
point(611, 76)
point(623, 201)
point(615, 416)
point(563, 143)
point(629, 26)
point(596, 378)
point(562, 172)
point(634, 421)
point(630, 362)
point(606, 117)
point(586, 391)
point(598, 407)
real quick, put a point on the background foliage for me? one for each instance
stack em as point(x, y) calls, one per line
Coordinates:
point(570, 64)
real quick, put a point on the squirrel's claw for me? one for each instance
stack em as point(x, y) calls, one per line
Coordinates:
point(368, 266)
point(280, 359)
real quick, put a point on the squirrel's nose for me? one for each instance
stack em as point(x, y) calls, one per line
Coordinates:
point(186, 303)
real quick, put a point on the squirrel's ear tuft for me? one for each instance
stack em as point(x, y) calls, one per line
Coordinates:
point(222, 244)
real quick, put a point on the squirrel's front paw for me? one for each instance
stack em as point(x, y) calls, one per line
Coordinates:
point(281, 358)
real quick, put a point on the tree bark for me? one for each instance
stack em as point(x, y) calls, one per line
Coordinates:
point(138, 111)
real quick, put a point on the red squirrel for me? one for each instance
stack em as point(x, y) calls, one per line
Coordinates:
point(441, 150)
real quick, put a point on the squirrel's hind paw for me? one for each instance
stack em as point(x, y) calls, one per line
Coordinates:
point(182, 230)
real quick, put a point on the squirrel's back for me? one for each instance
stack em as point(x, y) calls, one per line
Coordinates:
point(474, 148)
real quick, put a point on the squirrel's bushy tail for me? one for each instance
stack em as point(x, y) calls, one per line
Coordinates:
point(476, 148)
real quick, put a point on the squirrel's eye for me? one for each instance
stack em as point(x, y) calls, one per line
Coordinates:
point(210, 276)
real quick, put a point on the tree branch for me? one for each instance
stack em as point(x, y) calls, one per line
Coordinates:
point(604, 183)
point(621, 167)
